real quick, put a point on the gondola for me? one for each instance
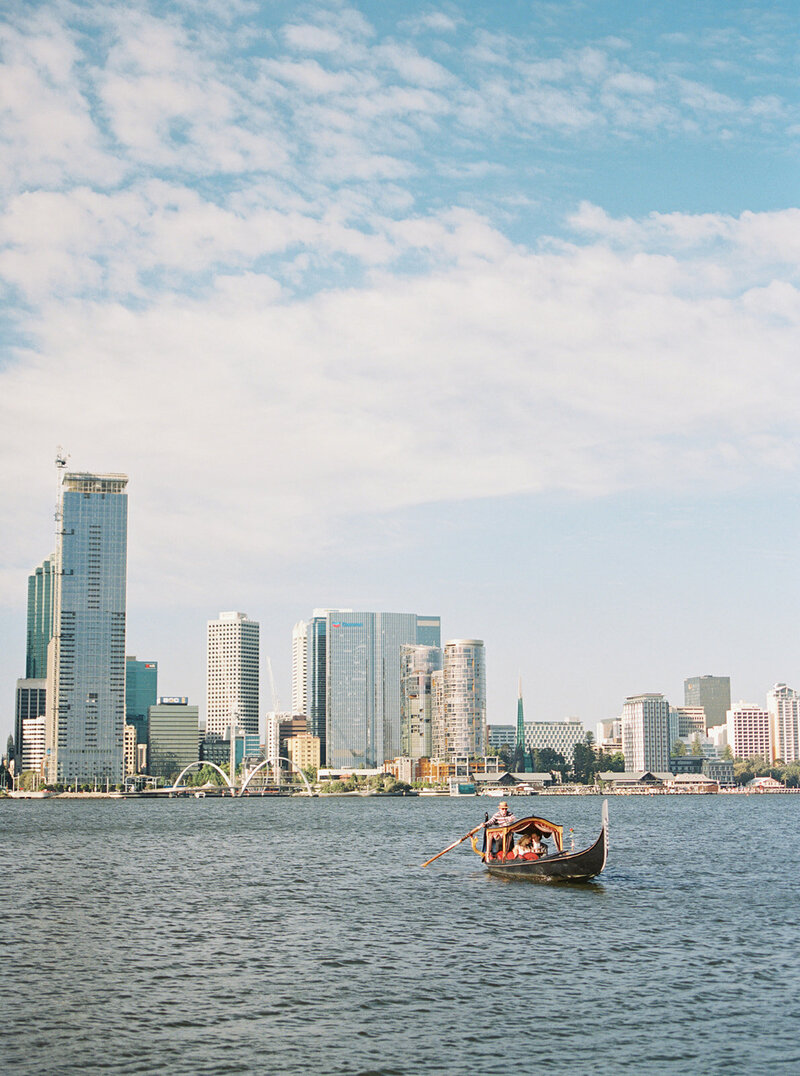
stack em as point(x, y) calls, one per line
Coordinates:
point(499, 852)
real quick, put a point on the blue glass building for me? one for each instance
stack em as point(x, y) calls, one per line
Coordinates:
point(40, 619)
point(141, 692)
point(86, 666)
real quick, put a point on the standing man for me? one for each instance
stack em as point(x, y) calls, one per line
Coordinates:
point(502, 817)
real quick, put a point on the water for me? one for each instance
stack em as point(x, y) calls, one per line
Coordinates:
point(290, 936)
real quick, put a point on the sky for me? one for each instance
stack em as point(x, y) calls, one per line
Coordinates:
point(481, 310)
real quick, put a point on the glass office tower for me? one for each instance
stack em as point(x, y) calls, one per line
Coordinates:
point(86, 656)
point(40, 619)
point(141, 692)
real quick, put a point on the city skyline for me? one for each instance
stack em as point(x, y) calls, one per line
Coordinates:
point(487, 310)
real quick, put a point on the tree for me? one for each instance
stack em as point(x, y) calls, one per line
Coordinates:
point(697, 747)
point(678, 749)
point(519, 760)
point(584, 763)
point(727, 753)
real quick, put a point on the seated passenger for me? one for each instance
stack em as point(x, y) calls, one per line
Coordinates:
point(539, 846)
point(525, 849)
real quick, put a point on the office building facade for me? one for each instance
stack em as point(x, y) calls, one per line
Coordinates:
point(645, 733)
point(560, 736)
point(783, 705)
point(417, 663)
point(713, 693)
point(29, 718)
point(300, 667)
point(354, 682)
point(141, 692)
point(233, 674)
point(173, 736)
point(86, 655)
point(40, 619)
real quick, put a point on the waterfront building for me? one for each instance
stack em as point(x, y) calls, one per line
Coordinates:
point(645, 733)
point(33, 743)
point(129, 740)
point(354, 681)
point(173, 736)
point(141, 692)
point(86, 655)
point(417, 663)
point(502, 736)
point(232, 666)
point(459, 700)
point(608, 735)
point(300, 667)
point(560, 736)
point(40, 619)
point(303, 751)
point(713, 693)
point(783, 704)
point(686, 721)
point(749, 731)
point(31, 704)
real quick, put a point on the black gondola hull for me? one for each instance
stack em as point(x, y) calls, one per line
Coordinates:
point(563, 867)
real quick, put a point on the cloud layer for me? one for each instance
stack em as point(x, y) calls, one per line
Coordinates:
point(274, 271)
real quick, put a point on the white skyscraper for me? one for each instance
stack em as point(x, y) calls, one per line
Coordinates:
point(783, 704)
point(233, 647)
point(300, 667)
point(645, 733)
point(459, 700)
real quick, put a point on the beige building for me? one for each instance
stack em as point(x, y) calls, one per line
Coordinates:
point(749, 731)
point(304, 750)
point(129, 749)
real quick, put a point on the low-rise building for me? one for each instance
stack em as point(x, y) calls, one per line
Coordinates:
point(303, 751)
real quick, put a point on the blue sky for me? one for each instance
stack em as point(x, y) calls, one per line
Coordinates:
point(484, 310)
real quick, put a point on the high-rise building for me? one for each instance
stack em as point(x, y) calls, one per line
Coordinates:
point(300, 667)
point(141, 692)
point(520, 738)
point(354, 682)
point(86, 655)
point(40, 619)
point(417, 663)
point(645, 733)
point(233, 648)
point(29, 714)
point(783, 704)
point(173, 736)
point(749, 731)
point(713, 693)
point(459, 700)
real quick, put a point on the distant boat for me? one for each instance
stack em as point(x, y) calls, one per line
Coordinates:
point(501, 854)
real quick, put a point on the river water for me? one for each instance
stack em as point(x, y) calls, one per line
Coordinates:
point(291, 936)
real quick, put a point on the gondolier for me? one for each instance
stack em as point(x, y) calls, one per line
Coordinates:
point(502, 817)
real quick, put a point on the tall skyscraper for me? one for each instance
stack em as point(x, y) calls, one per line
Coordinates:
point(713, 693)
point(86, 655)
point(645, 733)
point(417, 663)
point(354, 682)
point(520, 741)
point(783, 704)
point(233, 680)
point(300, 667)
point(40, 619)
point(141, 692)
point(459, 700)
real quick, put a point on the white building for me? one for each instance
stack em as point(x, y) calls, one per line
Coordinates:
point(560, 736)
point(749, 731)
point(459, 700)
point(300, 667)
point(233, 645)
point(783, 704)
point(417, 665)
point(34, 731)
point(686, 721)
point(645, 733)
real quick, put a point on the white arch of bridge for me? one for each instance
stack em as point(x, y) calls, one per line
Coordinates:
point(201, 763)
point(269, 762)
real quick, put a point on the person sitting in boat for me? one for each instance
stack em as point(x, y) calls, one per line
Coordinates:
point(538, 844)
point(525, 849)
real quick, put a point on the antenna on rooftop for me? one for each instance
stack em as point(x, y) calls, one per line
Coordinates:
point(61, 462)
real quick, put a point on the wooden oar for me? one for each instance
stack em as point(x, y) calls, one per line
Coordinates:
point(450, 847)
